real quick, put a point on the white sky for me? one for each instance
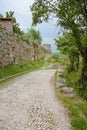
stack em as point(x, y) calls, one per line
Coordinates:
point(24, 18)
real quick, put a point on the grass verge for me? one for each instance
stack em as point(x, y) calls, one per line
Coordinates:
point(14, 69)
point(77, 108)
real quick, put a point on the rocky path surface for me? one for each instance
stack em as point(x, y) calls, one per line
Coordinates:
point(29, 103)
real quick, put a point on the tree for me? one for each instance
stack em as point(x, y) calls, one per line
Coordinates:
point(1, 16)
point(35, 35)
point(10, 14)
point(72, 15)
point(55, 56)
point(66, 44)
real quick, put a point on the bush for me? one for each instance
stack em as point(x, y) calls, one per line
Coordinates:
point(82, 91)
point(72, 80)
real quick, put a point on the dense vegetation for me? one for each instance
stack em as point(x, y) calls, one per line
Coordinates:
point(77, 107)
point(72, 16)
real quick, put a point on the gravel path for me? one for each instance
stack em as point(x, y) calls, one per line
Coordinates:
point(29, 103)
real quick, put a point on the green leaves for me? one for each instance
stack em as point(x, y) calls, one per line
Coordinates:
point(67, 45)
point(34, 35)
point(1, 16)
point(41, 10)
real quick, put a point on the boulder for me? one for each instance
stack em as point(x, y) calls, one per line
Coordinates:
point(60, 70)
point(60, 73)
point(72, 95)
point(59, 85)
point(67, 90)
point(61, 80)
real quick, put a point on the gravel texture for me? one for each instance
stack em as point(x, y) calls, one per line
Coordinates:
point(29, 103)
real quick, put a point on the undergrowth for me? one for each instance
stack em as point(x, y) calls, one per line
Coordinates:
point(73, 80)
point(77, 107)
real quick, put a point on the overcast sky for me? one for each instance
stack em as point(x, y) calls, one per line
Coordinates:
point(24, 17)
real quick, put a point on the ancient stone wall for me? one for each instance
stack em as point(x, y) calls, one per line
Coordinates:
point(47, 48)
point(6, 24)
point(15, 51)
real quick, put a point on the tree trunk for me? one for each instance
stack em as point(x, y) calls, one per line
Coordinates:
point(71, 68)
point(77, 62)
point(83, 51)
point(84, 69)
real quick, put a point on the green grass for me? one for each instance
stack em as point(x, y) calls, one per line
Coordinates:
point(17, 69)
point(77, 109)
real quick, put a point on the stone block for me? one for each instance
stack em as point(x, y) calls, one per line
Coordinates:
point(67, 90)
point(59, 85)
point(61, 80)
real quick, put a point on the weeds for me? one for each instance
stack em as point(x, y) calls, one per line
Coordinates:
point(77, 109)
point(13, 69)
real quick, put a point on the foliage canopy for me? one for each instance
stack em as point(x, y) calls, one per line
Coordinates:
point(34, 34)
point(72, 16)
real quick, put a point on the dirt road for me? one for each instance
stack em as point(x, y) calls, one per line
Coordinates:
point(29, 103)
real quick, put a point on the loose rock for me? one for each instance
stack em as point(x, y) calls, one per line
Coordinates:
point(71, 95)
point(61, 80)
point(67, 90)
point(59, 85)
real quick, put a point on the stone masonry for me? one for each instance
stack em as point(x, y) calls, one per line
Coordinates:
point(12, 49)
point(47, 48)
